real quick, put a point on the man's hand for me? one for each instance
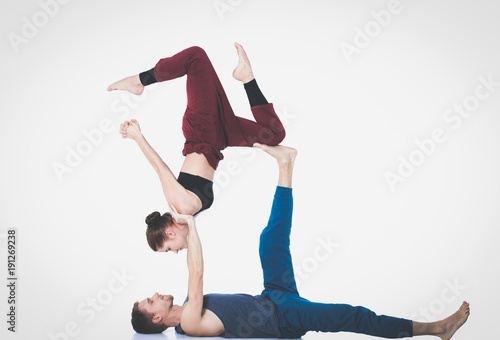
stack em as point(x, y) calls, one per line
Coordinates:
point(181, 218)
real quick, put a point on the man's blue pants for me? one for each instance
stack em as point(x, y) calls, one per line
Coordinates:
point(297, 315)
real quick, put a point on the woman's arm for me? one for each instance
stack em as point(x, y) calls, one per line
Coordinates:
point(152, 156)
point(175, 193)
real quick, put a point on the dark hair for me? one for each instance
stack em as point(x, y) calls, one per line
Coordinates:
point(143, 322)
point(156, 228)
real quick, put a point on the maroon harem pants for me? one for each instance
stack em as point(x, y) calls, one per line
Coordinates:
point(209, 124)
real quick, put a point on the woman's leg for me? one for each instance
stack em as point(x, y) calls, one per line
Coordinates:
point(271, 131)
point(243, 73)
point(206, 95)
point(255, 96)
point(209, 123)
point(130, 84)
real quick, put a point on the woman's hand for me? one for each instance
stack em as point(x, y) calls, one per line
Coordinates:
point(181, 218)
point(130, 129)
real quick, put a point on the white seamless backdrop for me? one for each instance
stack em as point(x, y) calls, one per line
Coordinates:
point(393, 106)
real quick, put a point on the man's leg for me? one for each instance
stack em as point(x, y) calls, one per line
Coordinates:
point(274, 246)
point(303, 316)
point(299, 316)
point(446, 328)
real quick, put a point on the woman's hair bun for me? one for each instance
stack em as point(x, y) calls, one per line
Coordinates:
point(153, 218)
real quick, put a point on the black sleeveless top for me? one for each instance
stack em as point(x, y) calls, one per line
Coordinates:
point(243, 315)
point(201, 187)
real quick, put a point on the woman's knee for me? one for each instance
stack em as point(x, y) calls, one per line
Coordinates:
point(197, 51)
point(278, 133)
point(270, 135)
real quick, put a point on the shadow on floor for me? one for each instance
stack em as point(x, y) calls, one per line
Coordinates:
point(169, 334)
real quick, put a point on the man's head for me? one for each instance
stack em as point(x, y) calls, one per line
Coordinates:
point(165, 234)
point(154, 314)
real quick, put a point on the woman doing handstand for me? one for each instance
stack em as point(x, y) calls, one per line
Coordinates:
point(209, 126)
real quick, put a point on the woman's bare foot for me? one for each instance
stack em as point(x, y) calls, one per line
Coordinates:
point(242, 72)
point(131, 84)
point(284, 155)
point(452, 323)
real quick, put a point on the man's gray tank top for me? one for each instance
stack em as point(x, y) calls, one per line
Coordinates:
point(243, 315)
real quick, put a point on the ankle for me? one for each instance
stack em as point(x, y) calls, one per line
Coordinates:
point(439, 327)
point(248, 79)
point(136, 80)
point(285, 166)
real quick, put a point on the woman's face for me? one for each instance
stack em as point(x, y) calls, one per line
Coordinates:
point(176, 238)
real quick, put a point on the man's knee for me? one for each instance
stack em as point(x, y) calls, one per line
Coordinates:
point(263, 238)
point(265, 242)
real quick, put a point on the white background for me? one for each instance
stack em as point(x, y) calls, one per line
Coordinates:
point(397, 251)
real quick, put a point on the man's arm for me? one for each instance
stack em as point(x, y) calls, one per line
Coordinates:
point(195, 321)
point(192, 314)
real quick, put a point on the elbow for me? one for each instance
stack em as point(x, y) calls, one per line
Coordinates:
point(189, 210)
point(185, 207)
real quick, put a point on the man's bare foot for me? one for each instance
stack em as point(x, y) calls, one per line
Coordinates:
point(283, 154)
point(242, 72)
point(452, 323)
point(131, 84)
